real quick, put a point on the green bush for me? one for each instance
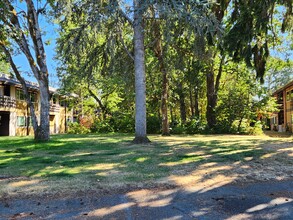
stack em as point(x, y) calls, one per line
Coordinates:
point(195, 126)
point(76, 128)
point(246, 128)
point(153, 124)
point(178, 129)
point(256, 129)
point(102, 126)
point(123, 123)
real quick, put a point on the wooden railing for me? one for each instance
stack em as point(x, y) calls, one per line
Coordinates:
point(54, 108)
point(7, 102)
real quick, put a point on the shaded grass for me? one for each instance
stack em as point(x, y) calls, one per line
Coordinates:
point(112, 159)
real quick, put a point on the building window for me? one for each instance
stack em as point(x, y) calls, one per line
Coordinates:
point(20, 95)
point(33, 97)
point(21, 122)
point(53, 99)
point(1, 90)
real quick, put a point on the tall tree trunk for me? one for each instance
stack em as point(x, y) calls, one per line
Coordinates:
point(212, 92)
point(196, 103)
point(164, 101)
point(43, 130)
point(211, 98)
point(37, 65)
point(191, 102)
point(158, 50)
point(182, 103)
point(140, 78)
point(42, 75)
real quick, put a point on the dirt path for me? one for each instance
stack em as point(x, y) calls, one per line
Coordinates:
point(269, 200)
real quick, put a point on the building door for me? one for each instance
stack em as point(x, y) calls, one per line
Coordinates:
point(4, 123)
point(52, 124)
point(7, 90)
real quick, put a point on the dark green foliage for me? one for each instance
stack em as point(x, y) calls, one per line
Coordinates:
point(196, 39)
point(77, 128)
point(250, 31)
point(193, 126)
point(118, 122)
point(102, 126)
point(153, 124)
point(123, 122)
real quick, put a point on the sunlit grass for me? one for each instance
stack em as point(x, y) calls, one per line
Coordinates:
point(111, 160)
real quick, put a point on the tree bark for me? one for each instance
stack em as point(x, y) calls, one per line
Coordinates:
point(182, 103)
point(211, 98)
point(140, 78)
point(164, 101)
point(212, 92)
point(38, 66)
point(99, 101)
point(158, 50)
point(196, 103)
point(191, 102)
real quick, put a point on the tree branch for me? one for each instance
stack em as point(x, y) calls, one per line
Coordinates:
point(23, 84)
point(123, 43)
point(20, 39)
point(41, 10)
point(125, 16)
point(36, 37)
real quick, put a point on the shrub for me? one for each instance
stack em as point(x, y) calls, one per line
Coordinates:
point(123, 123)
point(256, 129)
point(153, 124)
point(195, 126)
point(76, 128)
point(102, 126)
point(178, 129)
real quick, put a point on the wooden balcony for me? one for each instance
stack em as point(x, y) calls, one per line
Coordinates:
point(54, 108)
point(7, 102)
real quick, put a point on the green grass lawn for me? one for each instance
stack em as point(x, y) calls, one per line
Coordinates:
point(82, 162)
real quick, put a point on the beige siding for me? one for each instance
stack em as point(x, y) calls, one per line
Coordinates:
point(57, 115)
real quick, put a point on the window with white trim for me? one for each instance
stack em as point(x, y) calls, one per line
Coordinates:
point(21, 121)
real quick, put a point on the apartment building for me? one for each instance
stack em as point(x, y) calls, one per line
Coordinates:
point(283, 120)
point(15, 117)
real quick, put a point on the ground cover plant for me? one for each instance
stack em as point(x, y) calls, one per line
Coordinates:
point(71, 163)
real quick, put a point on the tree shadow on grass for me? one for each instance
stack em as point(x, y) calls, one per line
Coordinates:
point(207, 165)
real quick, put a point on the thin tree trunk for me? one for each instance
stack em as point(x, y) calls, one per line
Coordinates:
point(158, 50)
point(182, 103)
point(164, 102)
point(101, 105)
point(191, 102)
point(196, 103)
point(211, 101)
point(239, 125)
point(140, 78)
